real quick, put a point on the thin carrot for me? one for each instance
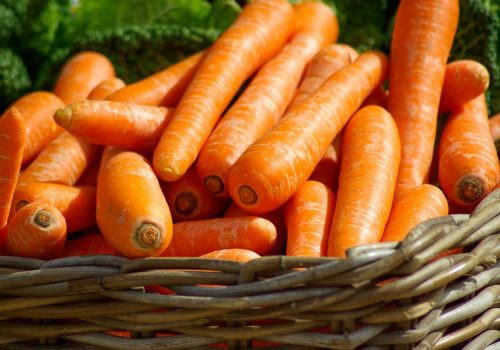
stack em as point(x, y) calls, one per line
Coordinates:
point(106, 88)
point(132, 212)
point(468, 163)
point(91, 243)
point(235, 254)
point(308, 216)
point(81, 74)
point(257, 35)
point(38, 230)
point(271, 170)
point(494, 125)
point(195, 238)
point(76, 204)
point(411, 208)
point(370, 160)
point(463, 81)
point(126, 125)
point(422, 39)
point(164, 88)
point(266, 98)
point(378, 97)
point(328, 169)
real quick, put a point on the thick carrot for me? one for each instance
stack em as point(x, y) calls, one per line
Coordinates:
point(266, 98)
point(195, 238)
point(106, 88)
point(411, 208)
point(378, 97)
point(38, 108)
point(235, 254)
point(494, 125)
point(62, 161)
point(463, 81)
point(132, 212)
point(164, 88)
point(468, 162)
point(271, 170)
point(422, 39)
point(37, 230)
point(77, 204)
point(126, 125)
point(370, 160)
point(91, 243)
point(257, 35)
point(12, 141)
point(328, 169)
point(308, 215)
point(81, 74)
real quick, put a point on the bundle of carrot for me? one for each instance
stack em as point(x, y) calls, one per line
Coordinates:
point(275, 140)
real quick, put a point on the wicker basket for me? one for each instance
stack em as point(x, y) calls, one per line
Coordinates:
point(383, 296)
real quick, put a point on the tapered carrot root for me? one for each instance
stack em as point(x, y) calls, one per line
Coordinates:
point(106, 88)
point(494, 125)
point(240, 255)
point(416, 205)
point(92, 243)
point(37, 231)
point(328, 169)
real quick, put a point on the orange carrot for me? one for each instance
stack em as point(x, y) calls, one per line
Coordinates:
point(37, 230)
point(81, 74)
point(422, 39)
point(12, 141)
point(266, 98)
point(132, 212)
point(3, 240)
point(370, 160)
point(463, 81)
point(62, 161)
point(89, 176)
point(164, 88)
point(468, 163)
point(414, 206)
point(126, 125)
point(378, 97)
point(240, 255)
point(106, 88)
point(257, 35)
point(494, 125)
point(76, 204)
point(91, 243)
point(271, 170)
point(195, 238)
point(308, 216)
point(328, 169)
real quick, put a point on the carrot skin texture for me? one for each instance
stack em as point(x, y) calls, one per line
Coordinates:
point(271, 170)
point(370, 161)
point(106, 88)
point(328, 169)
point(132, 212)
point(92, 243)
point(422, 39)
point(239, 255)
point(257, 35)
point(494, 125)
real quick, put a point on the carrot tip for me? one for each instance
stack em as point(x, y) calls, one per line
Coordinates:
point(43, 218)
point(247, 195)
point(148, 236)
point(214, 184)
point(186, 203)
point(470, 189)
point(63, 117)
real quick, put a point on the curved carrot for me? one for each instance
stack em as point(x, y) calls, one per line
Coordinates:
point(235, 254)
point(328, 169)
point(91, 243)
point(271, 170)
point(76, 204)
point(164, 88)
point(106, 88)
point(81, 74)
point(126, 125)
point(132, 212)
point(308, 215)
point(37, 230)
point(195, 238)
point(257, 35)
point(370, 160)
point(422, 39)
point(494, 125)
point(411, 208)
point(468, 163)
point(266, 98)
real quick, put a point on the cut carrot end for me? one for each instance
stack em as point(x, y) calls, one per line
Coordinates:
point(43, 218)
point(148, 236)
point(470, 189)
point(247, 195)
point(63, 117)
point(20, 204)
point(214, 184)
point(186, 203)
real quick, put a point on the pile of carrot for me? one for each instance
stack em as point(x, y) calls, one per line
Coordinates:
point(275, 140)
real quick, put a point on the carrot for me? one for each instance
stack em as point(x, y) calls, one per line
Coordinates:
point(140, 127)
point(370, 160)
point(38, 108)
point(235, 254)
point(89, 176)
point(195, 238)
point(328, 169)
point(188, 199)
point(37, 230)
point(422, 39)
point(164, 88)
point(12, 141)
point(266, 98)
point(271, 170)
point(62, 161)
point(132, 212)
point(378, 97)
point(494, 125)
point(463, 81)
point(106, 88)
point(81, 74)
point(308, 216)
point(91, 243)
point(3, 239)
point(257, 35)
point(76, 204)
point(414, 206)
point(468, 163)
